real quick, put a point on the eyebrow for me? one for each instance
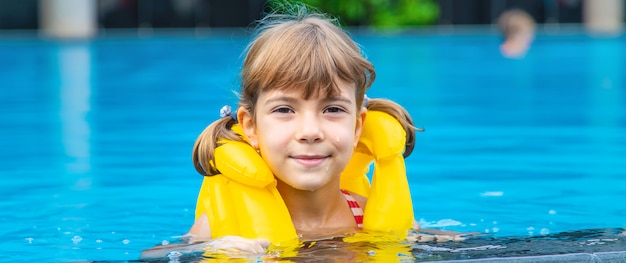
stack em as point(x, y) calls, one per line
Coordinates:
point(337, 98)
point(282, 99)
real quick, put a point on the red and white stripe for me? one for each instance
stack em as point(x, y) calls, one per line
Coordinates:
point(357, 211)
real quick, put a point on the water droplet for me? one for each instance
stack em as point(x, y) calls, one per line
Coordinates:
point(495, 229)
point(552, 212)
point(29, 239)
point(544, 231)
point(99, 241)
point(125, 241)
point(165, 242)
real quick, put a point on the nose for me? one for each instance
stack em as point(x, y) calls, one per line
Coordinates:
point(310, 129)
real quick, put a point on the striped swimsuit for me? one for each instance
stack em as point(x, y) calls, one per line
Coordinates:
point(357, 211)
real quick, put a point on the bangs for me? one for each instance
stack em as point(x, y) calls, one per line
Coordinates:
point(307, 56)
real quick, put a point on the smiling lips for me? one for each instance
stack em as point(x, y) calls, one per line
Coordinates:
point(309, 160)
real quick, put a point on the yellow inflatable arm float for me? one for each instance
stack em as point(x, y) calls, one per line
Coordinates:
point(243, 199)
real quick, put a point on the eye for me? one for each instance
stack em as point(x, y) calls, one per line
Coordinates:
point(283, 110)
point(334, 109)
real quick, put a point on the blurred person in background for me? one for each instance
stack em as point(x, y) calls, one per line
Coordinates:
point(518, 30)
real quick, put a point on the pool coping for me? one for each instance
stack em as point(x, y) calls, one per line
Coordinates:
point(613, 256)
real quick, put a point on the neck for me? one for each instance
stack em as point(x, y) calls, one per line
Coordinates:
point(317, 213)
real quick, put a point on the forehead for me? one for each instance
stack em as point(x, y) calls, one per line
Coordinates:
point(312, 88)
point(341, 88)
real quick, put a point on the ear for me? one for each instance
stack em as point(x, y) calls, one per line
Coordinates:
point(246, 120)
point(360, 120)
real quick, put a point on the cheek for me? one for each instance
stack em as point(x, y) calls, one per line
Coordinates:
point(341, 140)
point(345, 139)
point(272, 135)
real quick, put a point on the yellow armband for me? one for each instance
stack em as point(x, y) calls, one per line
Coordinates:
point(389, 205)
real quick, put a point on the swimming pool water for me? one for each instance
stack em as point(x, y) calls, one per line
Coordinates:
point(97, 135)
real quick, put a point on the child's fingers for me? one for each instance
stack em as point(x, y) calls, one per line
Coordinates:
point(263, 242)
point(240, 244)
point(420, 237)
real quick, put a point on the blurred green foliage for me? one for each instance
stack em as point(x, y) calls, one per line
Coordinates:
point(379, 13)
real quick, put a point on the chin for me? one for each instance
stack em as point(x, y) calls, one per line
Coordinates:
point(308, 186)
point(309, 181)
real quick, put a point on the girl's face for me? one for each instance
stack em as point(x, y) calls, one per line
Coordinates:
point(306, 143)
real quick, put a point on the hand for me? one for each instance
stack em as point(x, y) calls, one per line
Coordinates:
point(226, 245)
point(432, 235)
point(238, 245)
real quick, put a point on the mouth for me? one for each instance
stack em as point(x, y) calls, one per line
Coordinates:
point(310, 160)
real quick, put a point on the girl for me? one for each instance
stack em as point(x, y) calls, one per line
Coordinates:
point(302, 108)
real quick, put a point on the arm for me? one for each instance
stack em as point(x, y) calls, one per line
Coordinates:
point(432, 235)
point(416, 225)
point(200, 241)
point(200, 230)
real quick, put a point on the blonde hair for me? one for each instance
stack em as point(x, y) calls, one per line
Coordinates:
point(301, 51)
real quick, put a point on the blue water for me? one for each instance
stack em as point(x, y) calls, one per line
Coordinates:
point(97, 135)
